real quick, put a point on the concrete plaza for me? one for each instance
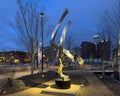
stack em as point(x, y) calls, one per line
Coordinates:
point(94, 87)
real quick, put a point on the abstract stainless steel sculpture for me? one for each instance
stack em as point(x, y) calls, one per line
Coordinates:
point(60, 47)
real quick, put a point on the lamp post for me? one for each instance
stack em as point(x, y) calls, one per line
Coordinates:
point(104, 44)
point(103, 57)
point(118, 58)
point(96, 39)
point(42, 17)
point(117, 66)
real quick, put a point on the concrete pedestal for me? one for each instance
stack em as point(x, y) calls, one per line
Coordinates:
point(62, 84)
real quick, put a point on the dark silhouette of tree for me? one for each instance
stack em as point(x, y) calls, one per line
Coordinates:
point(109, 24)
point(28, 27)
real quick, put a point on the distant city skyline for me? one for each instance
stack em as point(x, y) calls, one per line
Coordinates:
point(84, 14)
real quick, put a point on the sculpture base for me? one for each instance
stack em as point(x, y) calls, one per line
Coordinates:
point(62, 84)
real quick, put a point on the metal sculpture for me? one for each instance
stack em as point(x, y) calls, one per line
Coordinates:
point(60, 47)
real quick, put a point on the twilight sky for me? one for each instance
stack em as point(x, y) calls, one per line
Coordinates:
point(84, 14)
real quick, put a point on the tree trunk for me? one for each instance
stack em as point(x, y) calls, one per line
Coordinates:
point(32, 65)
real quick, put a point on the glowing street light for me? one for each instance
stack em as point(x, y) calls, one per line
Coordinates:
point(96, 38)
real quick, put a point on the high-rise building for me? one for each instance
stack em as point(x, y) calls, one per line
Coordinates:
point(88, 50)
point(115, 53)
point(103, 50)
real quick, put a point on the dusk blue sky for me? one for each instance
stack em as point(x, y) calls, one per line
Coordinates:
point(84, 14)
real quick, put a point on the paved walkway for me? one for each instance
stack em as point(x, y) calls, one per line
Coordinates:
point(18, 74)
point(23, 73)
point(94, 88)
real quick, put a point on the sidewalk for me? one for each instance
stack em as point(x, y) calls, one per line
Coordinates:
point(94, 88)
point(19, 74)
point(23, 73)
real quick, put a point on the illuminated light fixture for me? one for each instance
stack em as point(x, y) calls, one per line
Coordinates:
point(102, 41)
point(96, 36)
point(43, 55)
point(16, 61)
point(43, 75)
point(26, 60)
point(82, 85)
point(106, 39)
point(42, 14)
point(100, 77)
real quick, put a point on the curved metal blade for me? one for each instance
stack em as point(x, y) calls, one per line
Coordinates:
point(63, 16)
point(64, 33)
point(80, 60)
point(59, 23)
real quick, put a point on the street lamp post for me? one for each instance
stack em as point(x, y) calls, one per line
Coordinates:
point(96, 39)
point(42, 17)
point(117, 66)
point(103, 56)
point(118, 58)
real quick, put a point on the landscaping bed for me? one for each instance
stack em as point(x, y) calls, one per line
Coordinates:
point(10, 86)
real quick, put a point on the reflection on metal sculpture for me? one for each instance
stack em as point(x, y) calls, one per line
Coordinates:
point(61, 51)
point(80, 60)
point(60, 47)
point(39, 52)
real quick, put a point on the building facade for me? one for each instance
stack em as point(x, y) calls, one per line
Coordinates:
point(88, 50)
point(104, 50)
point(14, 57)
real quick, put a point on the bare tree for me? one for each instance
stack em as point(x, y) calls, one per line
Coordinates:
point(109, 24)
point(106, 28)
point(28, 27)
point(109, 28)
point(69, 43)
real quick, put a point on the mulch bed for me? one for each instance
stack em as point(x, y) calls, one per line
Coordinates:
point(16, 86)
point(28, 81)
point(38, 79)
